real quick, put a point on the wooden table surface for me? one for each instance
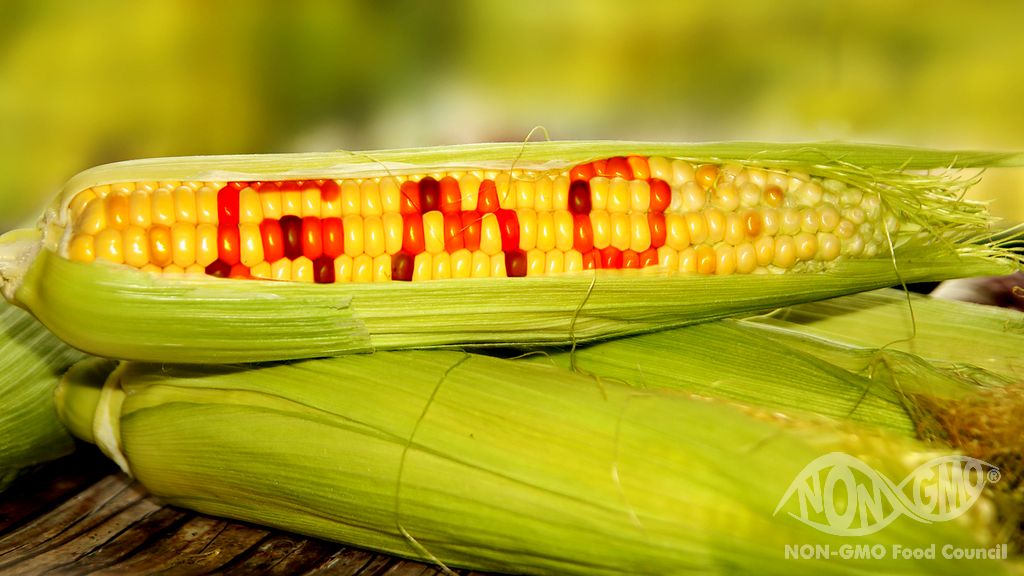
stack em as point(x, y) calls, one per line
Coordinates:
point(81, 515)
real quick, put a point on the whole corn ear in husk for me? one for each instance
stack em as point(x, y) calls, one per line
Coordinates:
point(255, 258)
point(489, 464)
point(31, 363)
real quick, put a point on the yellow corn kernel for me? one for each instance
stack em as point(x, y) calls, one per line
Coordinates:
point(765, 249)
point(351, 200)
point(621, 232)
point(725, 197)
point(746, 258)
point(183, 244)
point(498, 266)
point(639, 233)
point(682, 172)
point(535, 260)
point(354, 236)
point(185, 205)
point(506, 195)
point(311, 204)
point(262, 271)
point(809, 220)
point(342, 268)
point(109, 245)
point(140, 210)
point(725, 260)
point(806, 245)
point(393, 229)
point(160, 245)
point(524, 193)
point(668, 258)
point(599, 189)
point(128, 187)
point(78, 203)
point(250, 208)
point(527, 228)
point(828, 246)
point(785, 252)
point(462, 263)
point(560, 193)
point(808, 194)
point(677, 234)
point(554, 262)
point(302, 270)
point(639, 195)
point(173, 269)
point(291, 205)
point(433, 232)
point(82, 248)
point(789, 221)
point(423, 267)
point(845, 229)
point(618, 196)
point(469, 188)
point(707, 258)
point(563, 229)
point(374, 243)
point(543, 195)
point(382, 268)
point(696, 226)
point(693, 197)
point(716, 225)
point(369, 197)
point(270, 204)
point(251, 244)
point(197, 270)
point(152, 269)
point(481, 264)
point(282, 269)
point(136, 246)
point(93, 218)
point(490, 234)
point(390, 195)
point(828, 218)
point(169, 184)
point(545, 231)
point(660, 167)
point(104, 189)
point(688, 260)
point(362, 269)
point(601, 224)
point(750, 195)
point(573, 261)
point(735, 229)
point(206, 244)
point(162, 207)
point(118, 210)
point(442, 266)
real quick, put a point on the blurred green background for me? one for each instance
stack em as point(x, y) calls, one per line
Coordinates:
point(85, 83)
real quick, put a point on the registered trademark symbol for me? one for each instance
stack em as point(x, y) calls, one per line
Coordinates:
point(994, 475)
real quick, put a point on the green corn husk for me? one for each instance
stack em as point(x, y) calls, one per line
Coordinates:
point(491, 464)
point(119, 312)
point(31, 363)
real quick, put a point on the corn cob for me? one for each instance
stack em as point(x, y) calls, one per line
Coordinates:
point(488, 464)
point(262, 258)
point(31, 364)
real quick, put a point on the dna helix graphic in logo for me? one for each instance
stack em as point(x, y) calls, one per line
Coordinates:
point(841, 495)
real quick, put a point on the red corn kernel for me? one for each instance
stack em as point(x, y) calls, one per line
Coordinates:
point(582, 233)
point(312, 238)
point(453, 232)
point(508, 224)
point(661, 195)
point(286, 186)
point(649, 257)
point(413, 241)
point(323, 270)
point(268, 186)
point(291, 231)
point(229, 244)
point(330, 191)
point(451, 196)
point(240, 185)
point(579, 197)
point(582, 172)
point(515, 263)
point(630, 259)
point(410, 198)
point(487, 199)
point(656, 222)
point(430, 194)
point(592, 260)
point(401, 266)
point(219, 269)
point(611, 257)
point(619, 166)
point(239, 271)
point(600, 167)
point(471, 227)
point(333, 237)
point(638, 164)
point(273, 240)
point(227, 206)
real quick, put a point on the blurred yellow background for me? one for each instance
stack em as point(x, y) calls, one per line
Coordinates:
point(85, 83)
